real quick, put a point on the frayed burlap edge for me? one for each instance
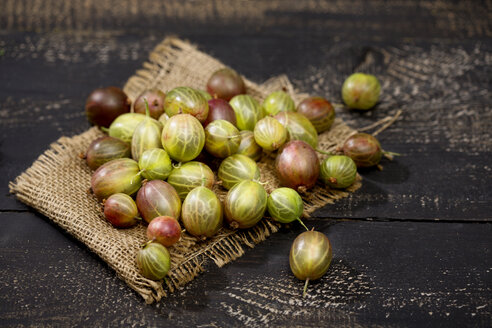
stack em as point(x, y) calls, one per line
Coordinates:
point(58, 181)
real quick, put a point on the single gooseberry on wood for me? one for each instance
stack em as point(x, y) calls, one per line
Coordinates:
point(364, 149)
point(310, 256)
point(338, 171)
point(361, 91)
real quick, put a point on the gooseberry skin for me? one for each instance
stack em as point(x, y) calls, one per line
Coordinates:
point(237, 168)
point(105, 149)
point(155, 99)
point(158, 198)
point(338, 171)
point(245, 204)
point(121, 211)
point(285, 205)
point(154, 261)
point(248, 111)
point(185, 100)
point(249, 147)
point(155, 164)
point(147, 135)
point(364, 149)
point(361, 91)
point(278, 101)
point(104, 105)
point(319, 111)
point(204, 93)
point(202, 214)
point(164, 230)
point(124, 126)
point(298, 127)
point(310, 255)
point(297, 165)
point(183, 137)
point(189, 176)
point(269, 134)
point(163, 119)
point(117, 176)
point(225, 83)
point(222, 139)
point(219, 109)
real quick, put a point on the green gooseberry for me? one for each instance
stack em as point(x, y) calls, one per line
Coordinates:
point(155, 164)
point(222, 138)
point(298, 127)
point(278, 101)
point(154, 261)
point(124, 126)
point(188, 176)
point(249, 147)
point(285, 205)
point(245, 204)
point(338, 171)
point(183, 137)
point(248, 111)
point(237, 168)
point(202, 214)
point(270, 134)
point(310, 256)
point(361, 91)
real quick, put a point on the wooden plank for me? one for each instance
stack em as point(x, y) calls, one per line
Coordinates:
point(383, 273)
point(354, 19)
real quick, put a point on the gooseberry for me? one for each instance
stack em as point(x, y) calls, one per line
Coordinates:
point(361, 91)
point(245, 204)
point(338, 171)
point(225, 84)
point(105, 104)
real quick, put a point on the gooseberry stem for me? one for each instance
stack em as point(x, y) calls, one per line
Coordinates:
point(390, 153)
point(324, 152)
point(104, 129)
point(305, 288)
point(302, 223)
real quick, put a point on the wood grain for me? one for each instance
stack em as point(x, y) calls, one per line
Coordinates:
point(411, 247)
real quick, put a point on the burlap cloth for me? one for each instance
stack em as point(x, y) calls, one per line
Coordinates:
point(58, 181)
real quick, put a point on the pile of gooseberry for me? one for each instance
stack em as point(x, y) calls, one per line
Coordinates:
point(150, 167)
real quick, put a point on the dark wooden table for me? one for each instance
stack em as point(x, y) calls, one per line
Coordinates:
point(412, 247)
